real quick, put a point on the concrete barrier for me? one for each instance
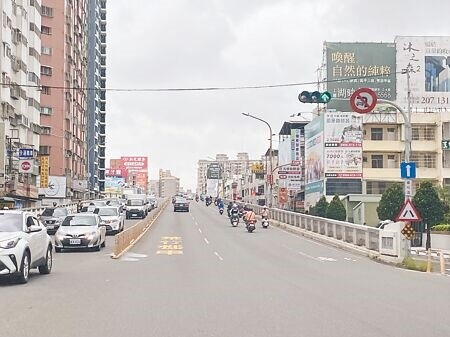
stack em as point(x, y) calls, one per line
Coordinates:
point(130, 236)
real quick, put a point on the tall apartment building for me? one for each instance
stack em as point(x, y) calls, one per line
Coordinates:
point(96, 100)
point(20, 108)
point(169, 186)
point(63, 117)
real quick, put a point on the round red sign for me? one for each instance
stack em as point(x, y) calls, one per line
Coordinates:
point(26, 166)
point(363, 100)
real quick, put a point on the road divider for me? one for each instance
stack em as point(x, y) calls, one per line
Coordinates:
point(129, 237)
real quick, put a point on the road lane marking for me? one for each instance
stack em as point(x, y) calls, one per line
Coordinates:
point(200, 230)
point(303, 254)
point(218, 255)
point(170, 245)
point(328, 259)
point(206, 240)
point(349, 259)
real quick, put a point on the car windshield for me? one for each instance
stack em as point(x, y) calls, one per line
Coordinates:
point(11, 222)
point(99, 203)
point(113, 203)
point(107, 212)
point(135, 202)
point(60, 212)
point(48, 212)
point(76, 220)
point(181, 200)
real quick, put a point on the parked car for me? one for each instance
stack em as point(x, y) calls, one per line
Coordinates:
point(52, 217)
point(181, 204)
point(113, 219)
point(81, 231)
point(136, 208)
point(24, 244)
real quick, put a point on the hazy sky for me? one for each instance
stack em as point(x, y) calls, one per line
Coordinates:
point(204, 43)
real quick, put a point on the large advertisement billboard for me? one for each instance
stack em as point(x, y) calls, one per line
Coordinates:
point(133, 164)
point(355, 65)
point(343, 145)
point(114, 185)
point(314, 167)
point(56, 187)
point(427, 59)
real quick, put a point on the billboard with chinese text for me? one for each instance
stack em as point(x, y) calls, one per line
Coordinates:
point(114, 185)
point(133, 165)
point(343, 136)
point(356, 65)
point(427, 59)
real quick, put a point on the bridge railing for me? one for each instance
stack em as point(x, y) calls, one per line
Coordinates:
point(354, 234)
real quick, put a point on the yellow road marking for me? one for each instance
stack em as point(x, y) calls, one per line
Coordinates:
point(170, 245)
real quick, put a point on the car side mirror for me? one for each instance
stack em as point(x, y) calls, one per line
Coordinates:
point(34, 229)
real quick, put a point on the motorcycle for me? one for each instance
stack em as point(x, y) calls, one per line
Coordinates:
point(234, 219)
point(251, 226)
point(265, 222)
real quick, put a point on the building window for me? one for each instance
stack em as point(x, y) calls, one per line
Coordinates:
point(377, 161)
point(46, 110)
point(46, 50)
point(45, 90)
point(47, 11)
point(44, 150)
point(376, 133)
point(48, 71)
point(429, 132)
point(32, 77)
point(46, 130)
point(46, 30)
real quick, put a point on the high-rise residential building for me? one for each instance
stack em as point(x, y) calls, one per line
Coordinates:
point(63, 116)
point(19, 98)
point(164, 173)
point(230, 168)
point(169, 186)
point(96, 102)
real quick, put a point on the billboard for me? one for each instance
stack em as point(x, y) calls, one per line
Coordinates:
point(369, 65)
point(284, 152)
point(343, 136)
point(142, 180)
point(296, 141)
point(56, 187)
point(212, 187)
point(114, 185)
point(111, 172)
point(45, 170)
point(133, 164)
point(314, 148)
point(427, 59)
point(214, 171)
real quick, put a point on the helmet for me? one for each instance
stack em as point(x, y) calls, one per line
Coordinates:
point(234, 205)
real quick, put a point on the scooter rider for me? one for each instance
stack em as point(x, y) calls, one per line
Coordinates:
point(265, 213)
point(220, 203)
point(249, 216)
point(230, 205)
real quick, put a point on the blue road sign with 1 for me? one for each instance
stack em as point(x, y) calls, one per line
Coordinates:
point(408, 170)
point(25, 153)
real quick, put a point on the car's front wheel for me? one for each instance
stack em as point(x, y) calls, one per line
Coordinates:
point(24, 271)
point(47, 267)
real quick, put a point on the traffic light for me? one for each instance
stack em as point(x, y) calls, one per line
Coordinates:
point(314, 97)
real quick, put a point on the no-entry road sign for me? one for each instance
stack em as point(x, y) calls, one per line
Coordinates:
point(363, 100)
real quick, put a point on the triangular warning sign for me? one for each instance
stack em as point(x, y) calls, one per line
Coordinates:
point(408, 212)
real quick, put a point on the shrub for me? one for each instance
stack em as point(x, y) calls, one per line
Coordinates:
point(441, 228)
point(336, 209)
point(410, 263)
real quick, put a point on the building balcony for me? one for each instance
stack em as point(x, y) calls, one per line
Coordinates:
point(394, 173)
point(425, 146)
point(383, 146)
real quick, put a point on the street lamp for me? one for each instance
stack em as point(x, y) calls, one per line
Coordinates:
point(270, 153)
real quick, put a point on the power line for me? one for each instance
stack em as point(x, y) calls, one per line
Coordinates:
point(244, 87)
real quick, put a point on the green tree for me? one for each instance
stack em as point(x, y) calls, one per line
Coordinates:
point(320, 208)
point(391, 202)
point(336, 209)
point(429, 206)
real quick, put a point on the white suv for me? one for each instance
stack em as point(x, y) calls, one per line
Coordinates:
point(24, 244)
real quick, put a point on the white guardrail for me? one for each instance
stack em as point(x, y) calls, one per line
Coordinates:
point(358, 235)
point(38, 210)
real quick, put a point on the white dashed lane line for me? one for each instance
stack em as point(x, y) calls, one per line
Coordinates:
point(206, 240)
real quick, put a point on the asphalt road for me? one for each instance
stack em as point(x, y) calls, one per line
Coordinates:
point(195, 275)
